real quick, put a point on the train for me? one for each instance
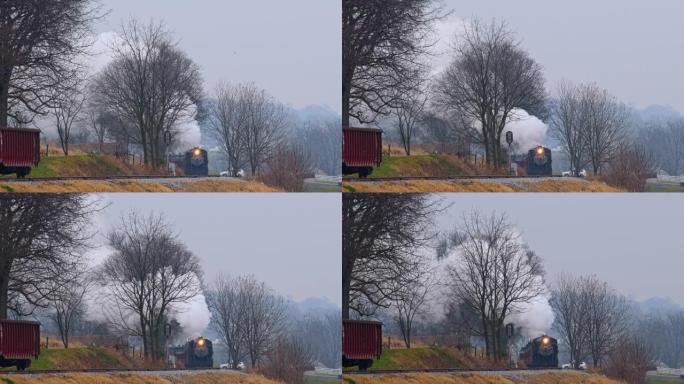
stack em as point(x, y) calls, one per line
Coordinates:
point(361, 343)
point(193, 162)
point(541, 352)
point(196, 353)
point(19, 343)
point(539, 161)
point(361, 150)
point(19, 150)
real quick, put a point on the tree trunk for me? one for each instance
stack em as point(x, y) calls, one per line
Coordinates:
point(4, 292)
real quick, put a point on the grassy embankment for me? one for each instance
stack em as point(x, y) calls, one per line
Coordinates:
point(440, 165)
point(561, 185)
point(104, 358)
point(543, 378)
point(199, 378)
point(88, 357)
point(104, 165)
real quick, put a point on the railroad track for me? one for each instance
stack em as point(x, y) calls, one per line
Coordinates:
point(447, 178)
point(102, 178)
point(446, 370)
point(107, 370)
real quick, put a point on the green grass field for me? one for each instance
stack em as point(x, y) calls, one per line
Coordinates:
point(663, 380)
point(421, 165)
point(83, 165)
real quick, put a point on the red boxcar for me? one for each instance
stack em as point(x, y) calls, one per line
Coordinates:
point(361, 150)
point(361, 343)
point(19, 342)
point(19, 150)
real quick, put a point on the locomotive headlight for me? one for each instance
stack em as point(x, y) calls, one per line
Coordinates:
point(196, 152)
point(200, 342)
point(545, 340)
point(540, 151)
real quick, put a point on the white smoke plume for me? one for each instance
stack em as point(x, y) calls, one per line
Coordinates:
point(193, 316)
point(189, 134)
point(528, 131)
point(534, 318)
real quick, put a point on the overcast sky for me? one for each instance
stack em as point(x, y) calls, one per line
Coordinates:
point(291, 48)
point(291, 242)
point(633, 48)
point(632, 241)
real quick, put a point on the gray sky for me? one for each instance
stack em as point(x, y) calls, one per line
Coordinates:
point(633, 48)
point(632, 241)
point(292, 242)
point(291, 48)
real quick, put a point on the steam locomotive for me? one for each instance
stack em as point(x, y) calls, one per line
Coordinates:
point(194, 162)
point(541, 352)
point(539, 161)
point(197, 353)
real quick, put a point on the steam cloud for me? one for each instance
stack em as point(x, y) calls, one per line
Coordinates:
point(528, 131)
point(534, 318)
point(194, 317)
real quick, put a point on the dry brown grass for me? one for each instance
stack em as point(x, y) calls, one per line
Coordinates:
point(478, 186)
point(102, 186)
point(425, 378)
point(200, 378)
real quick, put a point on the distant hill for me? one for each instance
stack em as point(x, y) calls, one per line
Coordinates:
point(657, 305)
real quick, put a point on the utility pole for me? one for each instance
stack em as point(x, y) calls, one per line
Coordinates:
point(167, 143)
point(509, 140)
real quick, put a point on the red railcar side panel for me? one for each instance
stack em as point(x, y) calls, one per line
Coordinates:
point(19, 339)
point(361, 339)
point(361, 147)
point(19, 147)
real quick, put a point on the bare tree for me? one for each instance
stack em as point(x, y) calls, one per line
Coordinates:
point(442, 131)
point(630, 360)
point(381, 236)
point(590, 316)
point(568, 123)
point(489, 78)
point(267, 120)
point(383, 43)
point(665, 142)
point(571, 315)
point(408, 114)
point(265, 313)
point(247, 315)
point(324, 140)
point(321, 335)
point(494, 273)
point(630, 167)
point(42, 238)
point(70, 306)
point(605, 127)
point(151, 84)
point(226, 301)
point(149, 273)
point(67, 112)
point(43, 42)
point(289, 165)
point(100, 122)
point(288, 360)
point(412, 301)
point(665, 335)
point(228, 119)
point(606, 321)
point(248, 124)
